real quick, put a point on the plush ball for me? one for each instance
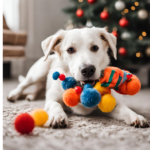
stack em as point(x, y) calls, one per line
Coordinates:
point(102, 90)
point(130, 87)
point(90, 97)
point(24, 123)
point(55, 75)
point(62, 77)
point(78, 89)
point(70, 97)
point(107, 103)
point(88, 86)
point(69, 82)
point(40, 116)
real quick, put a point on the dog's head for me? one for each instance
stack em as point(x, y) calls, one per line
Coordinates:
point(84, 51)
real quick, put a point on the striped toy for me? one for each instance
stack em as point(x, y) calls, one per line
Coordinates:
point(122, 81)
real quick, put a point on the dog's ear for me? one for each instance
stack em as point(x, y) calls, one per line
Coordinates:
point(52, 43)
point(110, 39)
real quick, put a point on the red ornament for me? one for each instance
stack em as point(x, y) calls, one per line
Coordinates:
point(62, 77)
point(24, 123)
point(91, 1)
point(78, 89)
point(79, 12)
point(122, 51)
point(104, 15)
point(115, 33)
point(124, 22)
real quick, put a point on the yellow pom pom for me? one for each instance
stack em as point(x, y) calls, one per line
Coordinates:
point(40, 116)
point(107, 103)
point(102, 90)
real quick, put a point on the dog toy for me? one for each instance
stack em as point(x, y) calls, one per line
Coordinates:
point(107, 103)
point(40, 117)
point(122, 81)
point(24, 123)
point(87, 95)
point(113, 78)
point(76, 93)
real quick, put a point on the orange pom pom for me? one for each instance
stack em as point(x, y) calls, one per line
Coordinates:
point(70, 97)
point(130, 87)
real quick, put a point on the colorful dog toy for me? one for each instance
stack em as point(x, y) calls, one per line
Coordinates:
point(40, 116)
point(122, 81)
point(25, 123)
point(113, 78)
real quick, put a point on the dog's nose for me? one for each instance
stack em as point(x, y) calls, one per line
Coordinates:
point(88, 71)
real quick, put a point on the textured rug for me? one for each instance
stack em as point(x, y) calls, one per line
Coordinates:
point(87, 133)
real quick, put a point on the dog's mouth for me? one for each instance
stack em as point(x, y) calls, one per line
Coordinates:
point(92, 82)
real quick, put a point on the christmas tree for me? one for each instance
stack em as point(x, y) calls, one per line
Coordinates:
point(128, 20)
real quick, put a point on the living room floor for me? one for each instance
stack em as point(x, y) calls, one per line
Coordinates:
point(93, 132)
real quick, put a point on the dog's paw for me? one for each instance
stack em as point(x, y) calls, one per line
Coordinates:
point(30, 97)
point(13, 95)
point(139, 122)
point(59, 120)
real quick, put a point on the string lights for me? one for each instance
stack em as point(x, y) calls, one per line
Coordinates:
point(132, 8)
point(144, 33)
point(136, 3)
point(140, 37)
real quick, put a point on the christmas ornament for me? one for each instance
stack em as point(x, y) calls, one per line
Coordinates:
point(89, 23)
point(148, 1)
point(122, 51)
point(125, 35)
point(148, 51)
point(91, 1)
point(104, 15)
point(142, 14)
point(123, 22)
point(120, 5)
point(79, 12)
point(115, 33)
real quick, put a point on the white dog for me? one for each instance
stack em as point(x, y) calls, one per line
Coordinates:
point(81, 53)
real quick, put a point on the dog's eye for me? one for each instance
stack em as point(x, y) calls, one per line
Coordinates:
point(70, 50)
point(94, 48)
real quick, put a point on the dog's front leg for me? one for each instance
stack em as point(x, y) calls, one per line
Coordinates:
point(57, 116)
point(122, 112)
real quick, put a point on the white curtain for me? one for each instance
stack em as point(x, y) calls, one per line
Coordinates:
point(11, 13)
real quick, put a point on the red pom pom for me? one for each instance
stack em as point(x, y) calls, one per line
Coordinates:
point(104, 15)
point(123, 22)
point(62, 77)
point(129, 76)
point(122, 51)
point(115, 33)
point(79, 13)
point(24, 123)
point(78, 89)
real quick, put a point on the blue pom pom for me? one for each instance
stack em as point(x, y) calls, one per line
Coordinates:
point(90, 97)
point(55, 75)
point(69, 82)
point(88, 86)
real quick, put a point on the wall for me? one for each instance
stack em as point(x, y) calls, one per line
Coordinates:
point(40, 18)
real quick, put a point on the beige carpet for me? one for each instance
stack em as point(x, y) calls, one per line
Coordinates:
point(87, 133)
